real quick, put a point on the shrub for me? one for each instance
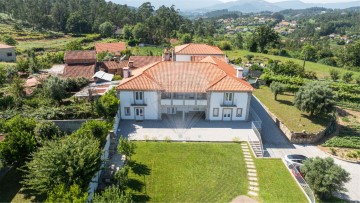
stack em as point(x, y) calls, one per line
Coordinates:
point(46, 130)
point(186, 38)
point(334, 74)
point(347, 77)
point(9, 40)
point(330, 61)
point(225, 45)
point(324, 176)
point(117, 77)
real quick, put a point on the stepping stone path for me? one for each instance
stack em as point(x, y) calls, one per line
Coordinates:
point(253, 189)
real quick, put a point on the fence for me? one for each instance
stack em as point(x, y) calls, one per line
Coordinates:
point(104, 157)
point(256, 125)
point(299, 178)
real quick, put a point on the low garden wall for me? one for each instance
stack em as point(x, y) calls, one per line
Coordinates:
point(300, 137)
point(70, 126)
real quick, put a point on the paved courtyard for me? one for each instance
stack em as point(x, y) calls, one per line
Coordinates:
point(191, 129)
point(277, 145)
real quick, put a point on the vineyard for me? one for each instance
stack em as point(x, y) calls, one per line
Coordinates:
point(347, 138)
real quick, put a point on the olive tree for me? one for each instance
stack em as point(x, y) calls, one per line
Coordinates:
point(315, 98)
point(324, 176)
point(276, 88)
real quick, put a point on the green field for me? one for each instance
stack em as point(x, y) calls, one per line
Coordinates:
point(284, 109)
point(322, 71)
point(206, 172)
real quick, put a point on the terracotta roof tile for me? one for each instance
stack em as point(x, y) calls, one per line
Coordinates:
point(115, 47)
point(198, 49)
point(78, 71)
point(200, 58)
point(80, 55)
point(141, 61)
point(184, 77)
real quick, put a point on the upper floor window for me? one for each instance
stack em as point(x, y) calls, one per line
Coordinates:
point(165, 95)
point(178, 96)
point(201, 96)
point(228, 96)
point(139, 96)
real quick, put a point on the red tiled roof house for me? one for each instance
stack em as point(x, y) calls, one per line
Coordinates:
point(210, 87)
point(115, 47)
point(196, 52)
point(79, 64)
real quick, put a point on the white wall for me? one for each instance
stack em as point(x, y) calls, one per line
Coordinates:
point(150, 110)
point(183, 57)
point(4, 57)
point(241, 100)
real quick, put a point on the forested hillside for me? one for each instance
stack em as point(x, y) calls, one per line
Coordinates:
point(87, 16)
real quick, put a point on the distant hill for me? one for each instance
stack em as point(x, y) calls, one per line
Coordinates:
point(183, 5)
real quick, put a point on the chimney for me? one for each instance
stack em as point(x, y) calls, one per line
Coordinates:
point(126, 71)
point(173, 57)
point(239, 72)
point(166, 55)
point(131, 64)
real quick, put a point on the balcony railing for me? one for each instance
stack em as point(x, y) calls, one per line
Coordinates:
point(183, 102)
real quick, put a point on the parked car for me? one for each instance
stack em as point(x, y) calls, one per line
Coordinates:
point(294, 160)
point(297, 173)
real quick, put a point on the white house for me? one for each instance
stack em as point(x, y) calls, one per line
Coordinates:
point(7, 53)
point(210, 87)
point(196, 52)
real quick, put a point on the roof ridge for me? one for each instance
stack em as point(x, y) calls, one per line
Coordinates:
point(142, 72)
point(185, 45)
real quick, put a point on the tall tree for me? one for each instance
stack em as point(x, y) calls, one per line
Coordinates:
point(68, 161)
point(264, 36)
point(315, 98)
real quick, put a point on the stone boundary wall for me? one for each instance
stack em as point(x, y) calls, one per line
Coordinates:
point(70, 126)
point(300, 137)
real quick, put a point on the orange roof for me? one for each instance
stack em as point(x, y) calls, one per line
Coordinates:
point(141, 61)
point(115, 47)
point(200, 58)
point(112, 65)
point(198, 49)
point(171, 76)
point(5, 46)
point(80, 55)
point(79, 71)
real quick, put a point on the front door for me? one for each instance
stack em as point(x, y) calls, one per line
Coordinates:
point(139, 114)
point(227, 114)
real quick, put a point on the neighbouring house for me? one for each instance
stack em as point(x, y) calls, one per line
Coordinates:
point(114, 47)
point(192, 52)
point(101, 76)
point(114, 67)
point(210, 87)
point(79, 64)
point(7, 53)
point(80, 57)
point(95, 90)
point(34, 82)
point(141, 61)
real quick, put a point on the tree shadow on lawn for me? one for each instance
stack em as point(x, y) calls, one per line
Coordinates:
point(322, 119)
point(139, 168)
point(141, 198)
point(136, 185)
point(286, 102)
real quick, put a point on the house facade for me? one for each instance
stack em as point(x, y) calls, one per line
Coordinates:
point(209, 88)
point(7, 53)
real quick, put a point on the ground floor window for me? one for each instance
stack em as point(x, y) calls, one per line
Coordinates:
point(216, 112)
point(239, 112)
point(9, 54)
point(171, 110)
point(127, 111)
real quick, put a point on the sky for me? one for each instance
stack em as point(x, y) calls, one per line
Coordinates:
point(307, 1)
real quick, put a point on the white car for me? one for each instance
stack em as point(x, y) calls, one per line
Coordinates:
point(294, 159)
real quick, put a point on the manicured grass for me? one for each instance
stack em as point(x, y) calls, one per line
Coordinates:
point(190, 172)
point(284, 109)
point(276, 183)
point(321, 70)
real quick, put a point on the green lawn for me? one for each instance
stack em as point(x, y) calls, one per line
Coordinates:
point(276, 183)
point(321, 70)
point(206, 172)
point(47, 44)
point(284, 109)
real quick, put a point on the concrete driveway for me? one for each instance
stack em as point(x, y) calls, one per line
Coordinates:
point(188, 130)
point(277, 145)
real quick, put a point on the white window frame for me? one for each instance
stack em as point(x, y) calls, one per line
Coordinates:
point(228, 96)
point(216, 112)
point(139, 96)
point(239, 112)
point(127, 111)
